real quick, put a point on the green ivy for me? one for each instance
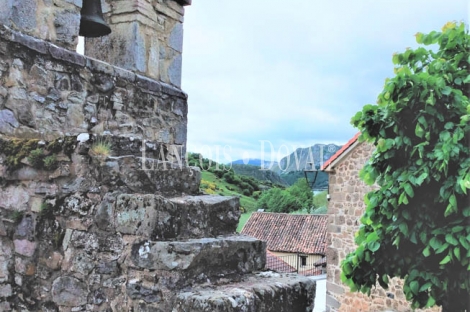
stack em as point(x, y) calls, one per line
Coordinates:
point(416, 224)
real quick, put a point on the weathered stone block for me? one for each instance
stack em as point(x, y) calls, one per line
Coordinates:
point(24, 247)
point(209, 215)
point(158, 218)
point(8, 121)
point(145, 175)
point(278, 293)
point(5, 291)
point(14, 198)
point(210, 257)
point(69, 291)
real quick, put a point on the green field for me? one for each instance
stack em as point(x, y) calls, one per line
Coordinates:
point(243, 218)
point(224, 188)
point(211, 184)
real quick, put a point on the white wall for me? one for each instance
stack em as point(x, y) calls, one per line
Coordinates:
point(320, 295)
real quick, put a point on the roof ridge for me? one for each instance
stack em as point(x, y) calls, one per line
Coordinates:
point(342, 150)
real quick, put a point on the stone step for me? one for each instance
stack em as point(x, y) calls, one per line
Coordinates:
point(199, 260)
point(263, 292)
point(158, 218)
point(160, 270)
point(146, 175)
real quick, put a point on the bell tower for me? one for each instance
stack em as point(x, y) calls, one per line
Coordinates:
point(146, 37)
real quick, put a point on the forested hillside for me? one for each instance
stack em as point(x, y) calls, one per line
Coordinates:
point(257, 173)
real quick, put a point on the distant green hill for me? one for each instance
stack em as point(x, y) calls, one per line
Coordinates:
point(302, 158)
point(254, 162)
point(223, 180)
point(257, 173)
point(321, 180)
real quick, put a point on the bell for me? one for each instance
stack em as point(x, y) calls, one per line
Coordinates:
point(92, 23)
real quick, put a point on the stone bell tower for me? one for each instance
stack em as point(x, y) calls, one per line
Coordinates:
point(98, 212)
point(147, 37)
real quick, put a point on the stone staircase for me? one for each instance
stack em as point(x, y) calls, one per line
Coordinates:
point(114, 236)
point(184, 255)
point(181, 251)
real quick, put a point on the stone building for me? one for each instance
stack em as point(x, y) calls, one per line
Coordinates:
point(345, 209)
point(98, 210)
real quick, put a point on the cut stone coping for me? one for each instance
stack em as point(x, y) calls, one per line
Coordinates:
point(267, 292)
point(61, 54)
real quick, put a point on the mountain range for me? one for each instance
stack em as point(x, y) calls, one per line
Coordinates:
point(292, 167)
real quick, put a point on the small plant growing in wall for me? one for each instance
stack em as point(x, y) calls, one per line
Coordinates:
point(45, 209)
point(101, 148)
point(36, 157)
point(17, 216)
point(57, 239)
point(50, 162)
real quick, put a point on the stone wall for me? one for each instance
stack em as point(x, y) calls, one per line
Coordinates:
point(345, 209)
point(147, 37)
point(49, 92)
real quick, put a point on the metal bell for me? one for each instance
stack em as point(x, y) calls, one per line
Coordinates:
point(92, 23)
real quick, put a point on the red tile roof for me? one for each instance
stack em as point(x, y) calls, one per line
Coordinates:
point(288, 232)
point(277, 264)
point(314, 271)
point(343, 149)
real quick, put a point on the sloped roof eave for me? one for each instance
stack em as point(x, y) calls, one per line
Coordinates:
point(329, 165)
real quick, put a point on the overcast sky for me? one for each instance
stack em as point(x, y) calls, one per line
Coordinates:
point(293, 72)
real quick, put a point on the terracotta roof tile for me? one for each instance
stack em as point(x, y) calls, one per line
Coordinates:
point(343, 149)
point(289, 233)
point(277, 264)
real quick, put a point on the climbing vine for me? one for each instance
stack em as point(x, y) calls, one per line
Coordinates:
point(416, 224)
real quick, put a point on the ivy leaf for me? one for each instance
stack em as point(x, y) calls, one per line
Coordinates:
point(457, 253)
point(374, 246)
point(419, 131)
point(464, 242)
point(451, 240)
point(426, 252)
point(447, 90)
point(409, 190)
point(425, 286)
point(445, 260)
point(347, 269)
point(431, 302)
point(419, 38)
point(403, 228)
point(414, 286)
point(421, 178)
point(467, 79)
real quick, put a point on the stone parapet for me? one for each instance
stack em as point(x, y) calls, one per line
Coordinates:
point(267, 292)
point(49, 92)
